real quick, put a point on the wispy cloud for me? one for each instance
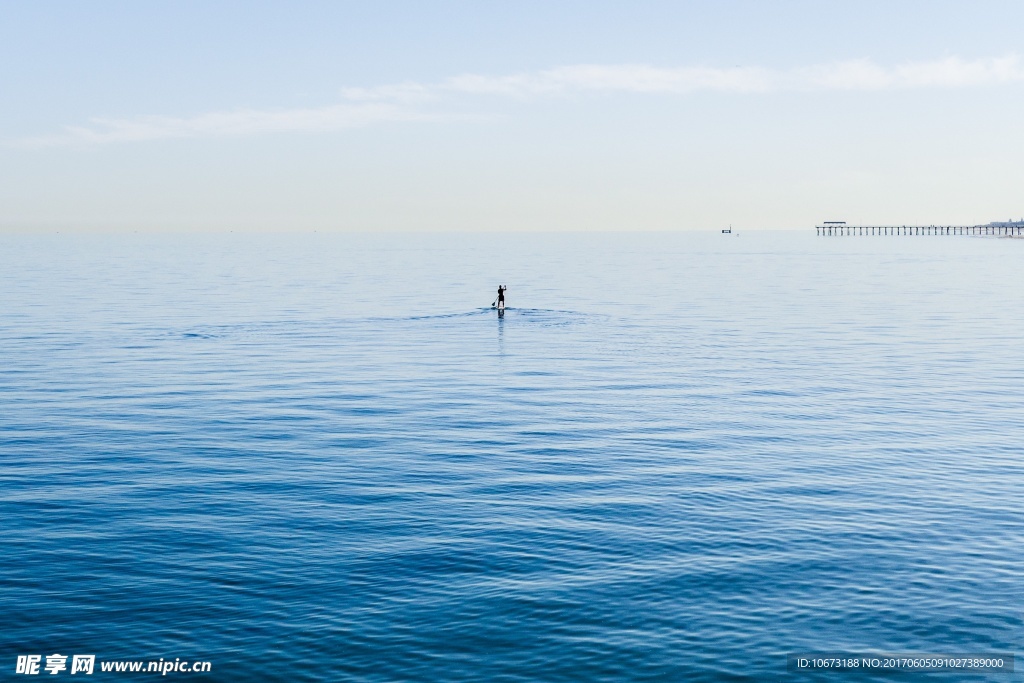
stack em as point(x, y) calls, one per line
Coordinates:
point(242, 122)
point(863, 74)
point(630, 78)
point(951, 72)
point(413, 101)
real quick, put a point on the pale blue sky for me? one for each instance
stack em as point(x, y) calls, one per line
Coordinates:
point(508, 116)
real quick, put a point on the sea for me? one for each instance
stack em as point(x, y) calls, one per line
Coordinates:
point(677, 456)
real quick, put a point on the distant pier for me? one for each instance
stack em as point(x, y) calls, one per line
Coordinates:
point(1015, 228)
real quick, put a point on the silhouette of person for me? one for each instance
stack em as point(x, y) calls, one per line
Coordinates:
point(501, 297)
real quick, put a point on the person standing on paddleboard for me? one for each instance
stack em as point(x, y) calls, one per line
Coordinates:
point(501, 297)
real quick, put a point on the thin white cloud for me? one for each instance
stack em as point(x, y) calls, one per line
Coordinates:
point(243, 122)
point(411, 101)
point(632, 78)
point(952, 72)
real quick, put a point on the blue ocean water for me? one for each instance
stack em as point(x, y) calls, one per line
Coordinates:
point(677, 457)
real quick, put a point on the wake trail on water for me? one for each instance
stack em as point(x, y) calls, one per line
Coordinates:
point(274, 327)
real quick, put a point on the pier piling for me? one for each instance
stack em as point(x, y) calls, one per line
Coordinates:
point(1015, 229)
